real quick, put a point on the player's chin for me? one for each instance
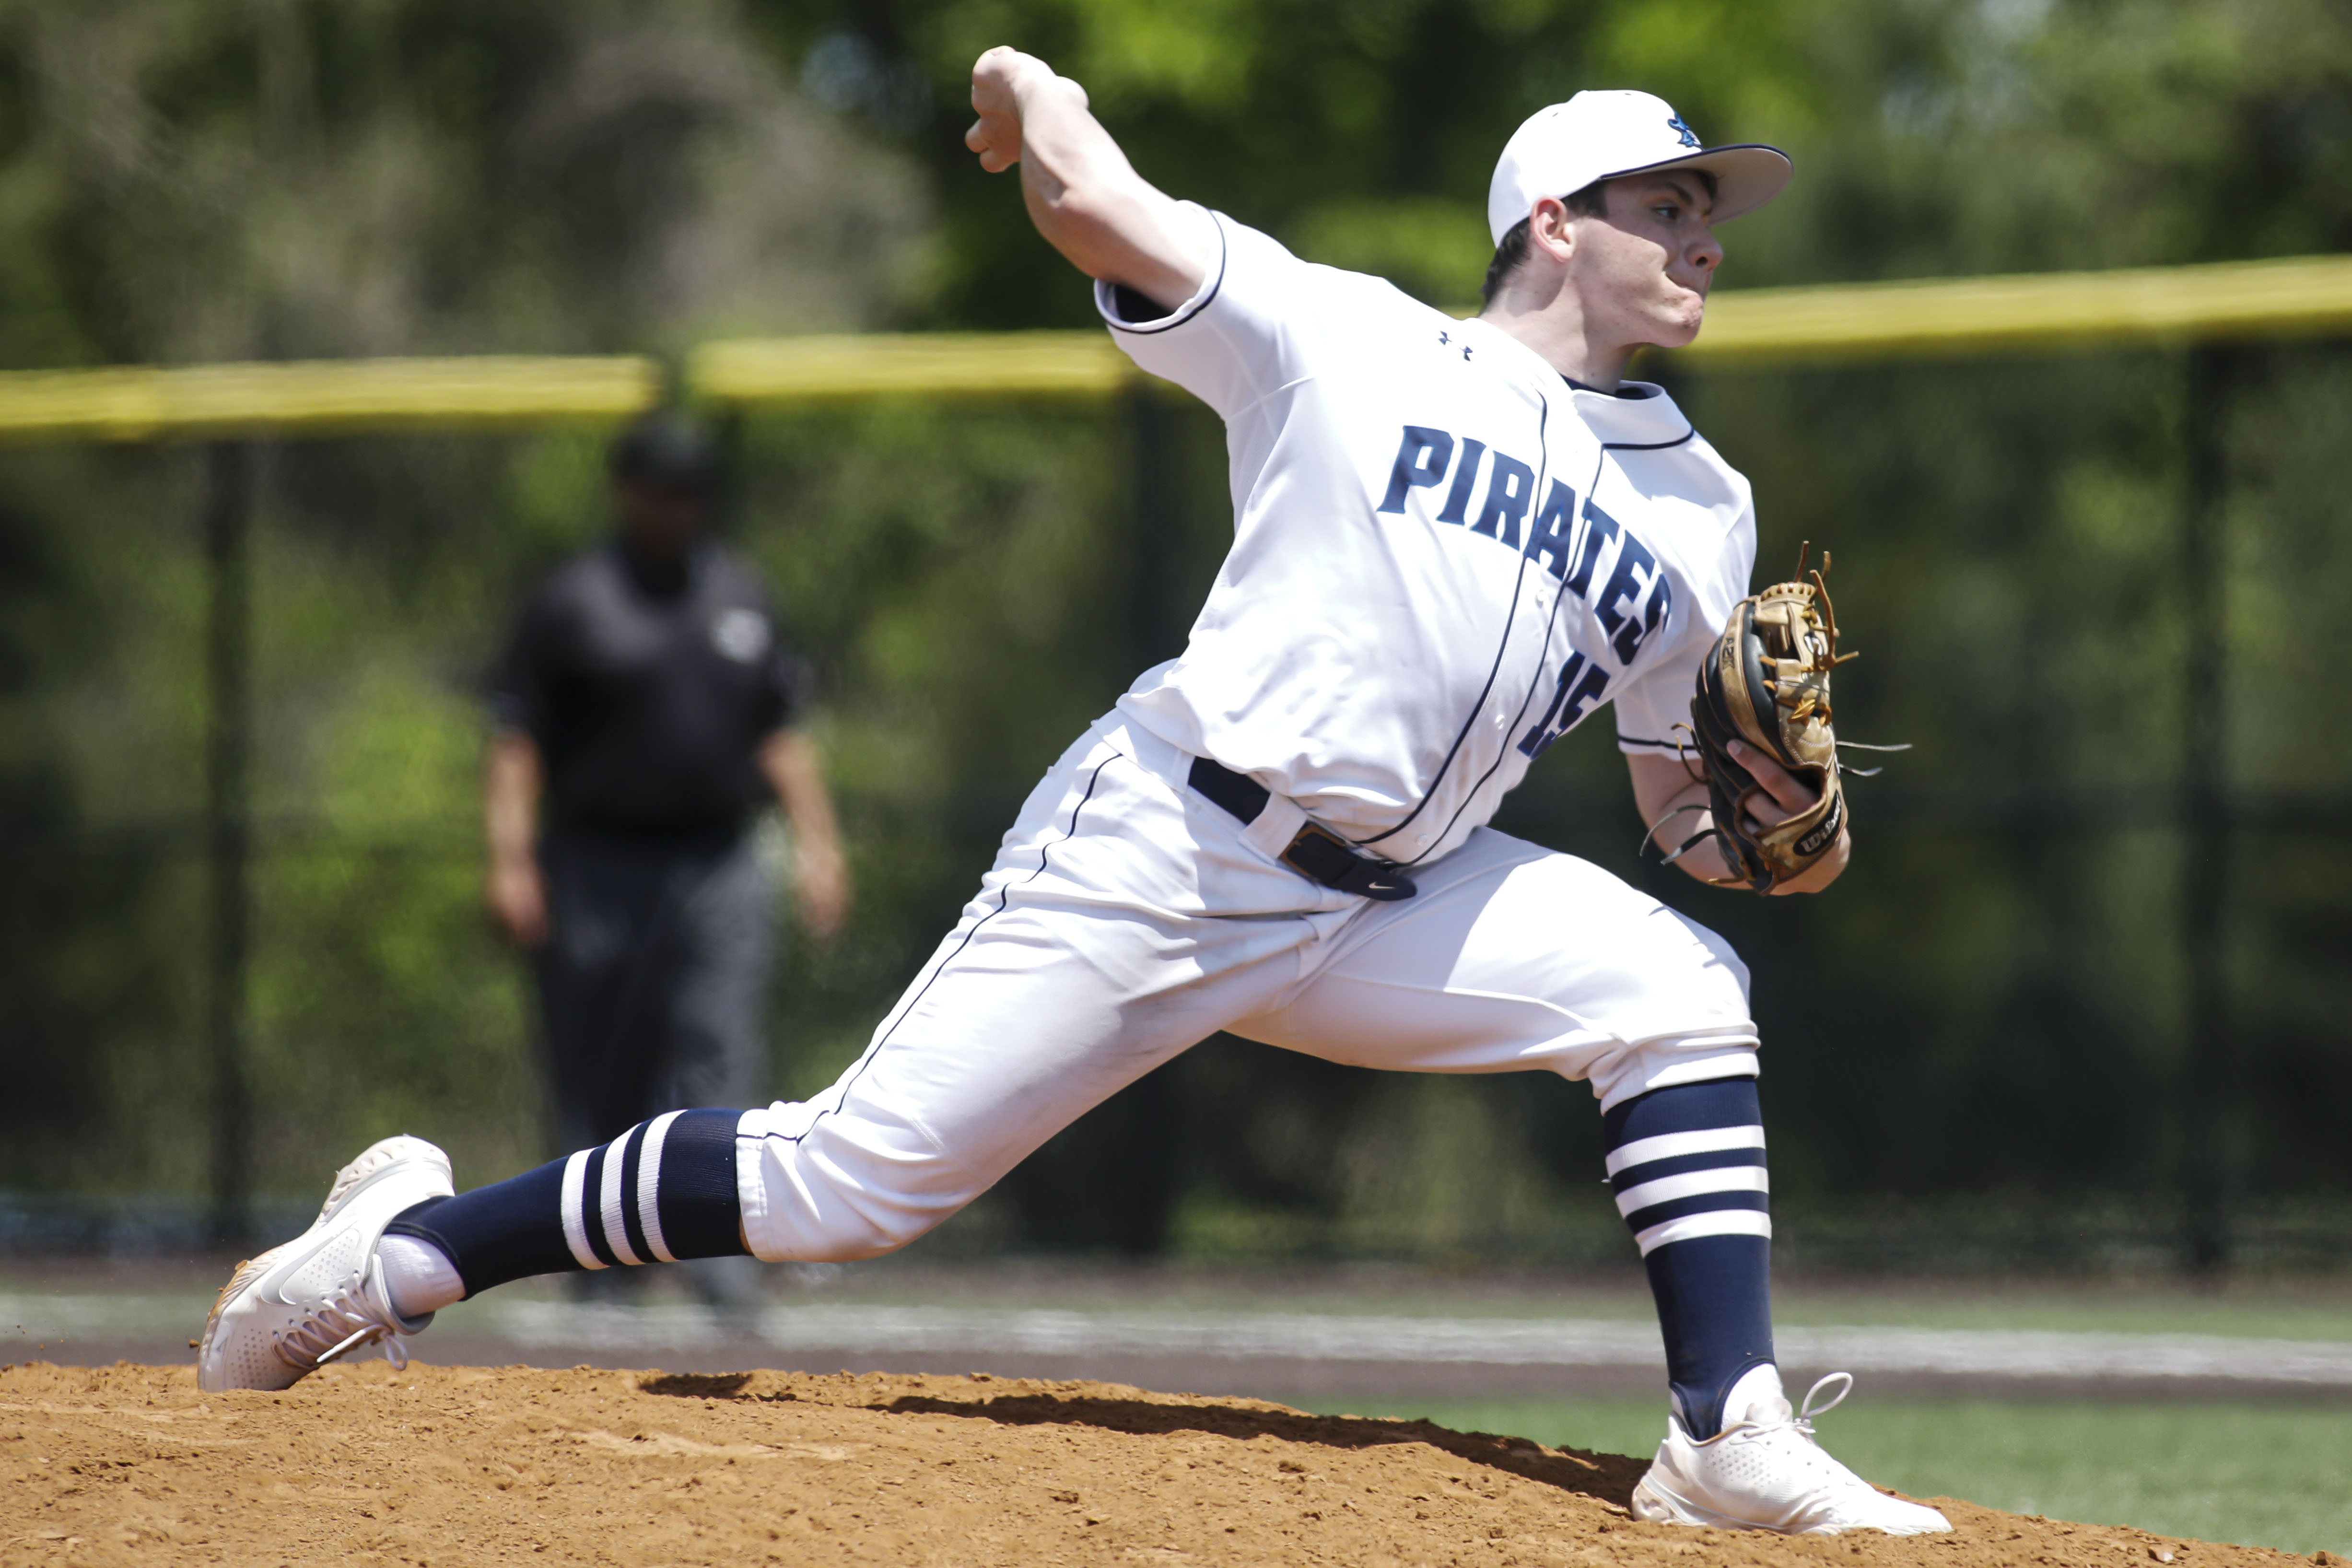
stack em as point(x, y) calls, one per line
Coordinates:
point(1676, 326)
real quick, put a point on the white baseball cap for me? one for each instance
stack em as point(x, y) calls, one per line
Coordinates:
point(1600, 136)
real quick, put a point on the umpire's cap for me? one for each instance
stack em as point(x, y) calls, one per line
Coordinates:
point(665, 452)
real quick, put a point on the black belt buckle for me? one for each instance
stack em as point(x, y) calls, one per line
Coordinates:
point(1317, 853)
point(1326, 858)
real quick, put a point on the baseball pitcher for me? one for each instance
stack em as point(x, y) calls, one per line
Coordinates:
point(1453, 540)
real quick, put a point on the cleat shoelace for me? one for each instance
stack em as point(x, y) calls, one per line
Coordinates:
point(1806, 1451)
point(346, 1321)
point(1804, 1419)
point(1804, 1448)
point(1801, 1418)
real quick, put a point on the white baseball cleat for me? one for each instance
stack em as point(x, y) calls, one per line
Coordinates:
point(1764, 1471)
point(290, 1311)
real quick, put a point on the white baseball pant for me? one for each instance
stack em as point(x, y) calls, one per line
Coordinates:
point(1128, 918)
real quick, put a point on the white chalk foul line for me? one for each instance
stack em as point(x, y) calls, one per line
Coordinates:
point(828, 1328)
point(35, 1318)
point(1300, 1336)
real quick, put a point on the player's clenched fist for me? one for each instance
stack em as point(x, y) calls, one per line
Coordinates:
point(999, 79)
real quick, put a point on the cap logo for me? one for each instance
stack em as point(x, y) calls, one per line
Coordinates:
point(1674, 124)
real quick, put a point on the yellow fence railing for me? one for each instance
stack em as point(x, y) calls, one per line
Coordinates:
point(1829, 324)
point(320, 397)
point(932, 365)
point(2306, 296)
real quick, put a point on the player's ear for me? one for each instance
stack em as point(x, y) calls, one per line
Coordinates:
point(1551, 229)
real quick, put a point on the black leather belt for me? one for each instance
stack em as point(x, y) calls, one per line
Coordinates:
point(1317, 853)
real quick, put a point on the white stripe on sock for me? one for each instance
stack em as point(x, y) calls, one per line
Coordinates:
point(1667, 1145)
point(1691, 1184)
point(650, 1184)
point(572, 1205)
point(1715, 1222)
point(617, 1232)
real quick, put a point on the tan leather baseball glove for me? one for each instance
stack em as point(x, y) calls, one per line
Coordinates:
point(1767, 682)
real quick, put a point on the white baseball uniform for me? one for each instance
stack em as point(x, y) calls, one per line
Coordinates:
point(1445, 556)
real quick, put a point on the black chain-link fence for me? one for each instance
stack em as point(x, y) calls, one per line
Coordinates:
point(2079, 1001)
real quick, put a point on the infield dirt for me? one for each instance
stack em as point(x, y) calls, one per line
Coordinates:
point(447, 1465)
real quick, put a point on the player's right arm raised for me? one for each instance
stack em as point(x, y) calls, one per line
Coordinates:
point(1083, 195)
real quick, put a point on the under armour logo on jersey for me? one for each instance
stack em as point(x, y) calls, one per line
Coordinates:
point(1674, 124)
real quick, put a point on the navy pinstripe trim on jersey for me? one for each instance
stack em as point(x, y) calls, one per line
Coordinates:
point(1543, 657)
point(1648, 446)
point(1697, 1203)
point(1682, 439)
point(1632, 1177)
point(1183, 312)
point(1003, 901)
point(1624, 392)
point(1478, 709)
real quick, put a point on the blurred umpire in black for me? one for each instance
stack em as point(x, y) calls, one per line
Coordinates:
point(645, 712)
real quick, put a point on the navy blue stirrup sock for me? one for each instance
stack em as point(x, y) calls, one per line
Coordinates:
point(662, 1192)
point(1688, 1165)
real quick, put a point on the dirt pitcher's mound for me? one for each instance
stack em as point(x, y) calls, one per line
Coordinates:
point(461, 1466)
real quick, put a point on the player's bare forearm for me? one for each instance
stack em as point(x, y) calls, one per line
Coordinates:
point(1083, 195)
point(790, 763)
point(1675, 805)
point(1675, 808)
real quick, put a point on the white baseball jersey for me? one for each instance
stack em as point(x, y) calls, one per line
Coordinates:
point(1445, 554)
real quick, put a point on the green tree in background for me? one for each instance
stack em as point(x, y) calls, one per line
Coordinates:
point(1982, 1025)
point(238, 181)
point(1939, 137)
point(257, 179)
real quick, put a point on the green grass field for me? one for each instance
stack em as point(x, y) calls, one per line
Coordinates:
point(2261, 1475)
